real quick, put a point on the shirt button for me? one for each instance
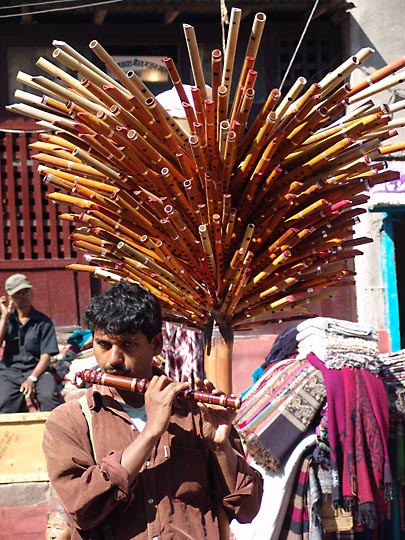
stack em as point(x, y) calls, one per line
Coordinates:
point(151, 501)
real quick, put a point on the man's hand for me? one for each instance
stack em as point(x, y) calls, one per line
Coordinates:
point(217, 420)
point(28, 388)
point(159, 397)
point(5, 307)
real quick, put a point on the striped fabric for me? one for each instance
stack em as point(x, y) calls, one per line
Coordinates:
point(278, 409)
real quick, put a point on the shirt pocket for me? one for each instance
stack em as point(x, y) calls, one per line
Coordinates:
point(189, 474)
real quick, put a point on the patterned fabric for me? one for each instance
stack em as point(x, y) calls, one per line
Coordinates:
point(358, 431)
point(339, 343)
point(296, 522)
point(278, 409)
point(184, 353)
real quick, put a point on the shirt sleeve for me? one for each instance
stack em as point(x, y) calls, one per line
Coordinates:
point(244, 502)
point(48, 343)
point(89, 492)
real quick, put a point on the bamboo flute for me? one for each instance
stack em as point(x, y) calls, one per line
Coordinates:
point(177, 299)
point(70, 200)
point(210, 197)
point(156, 268)
point(67, 79)
point(244, 111)
point(378, 75)
point(206, 275)
point(335, 77)
point(383, 84)
point(250, 57)
point(229, 159)
point(207, 249)
point(355, 113)
point(230, 51)
point(97, 125)
point(62, 45)
point(248, 64)
point(191, 118)
point(260, 119)
point(141, 385)
point(131, 104)
point(193, 197)
point(239, 290)
point(96, 165)
point(195, 59)
point(198, 105)
point(178, 196)
point(220, 109)
point(230, 272)
point(25, 78)
point(65, 93)
point(68, 165)
point(50, 104)
point(167, 132)
point(149, 154)
point(256, 34)
point(38, 114)
point(97, 84)
point(176, 79)
point(219, 255)
point(262, 139)
point(290, 97)
point(200, 159)
point(223, 132)
point(216, 73)
point(147, 96)
point(226, 208)
point(210, 128)
point(97, 92)
point(228, 236)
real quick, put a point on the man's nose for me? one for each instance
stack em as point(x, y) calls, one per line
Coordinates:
point(117, 355)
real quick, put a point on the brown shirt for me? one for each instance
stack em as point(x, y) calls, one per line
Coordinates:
point(175, 495)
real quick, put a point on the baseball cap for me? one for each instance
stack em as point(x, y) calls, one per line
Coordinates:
point(17, 282)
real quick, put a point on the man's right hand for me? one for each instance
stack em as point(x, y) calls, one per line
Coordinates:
point(159, 397)
point(5, 306)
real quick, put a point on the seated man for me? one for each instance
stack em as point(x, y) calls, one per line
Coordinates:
point(29, 340)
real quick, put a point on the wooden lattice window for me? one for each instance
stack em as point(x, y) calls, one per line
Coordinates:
point(319, 53)
point(31, 227)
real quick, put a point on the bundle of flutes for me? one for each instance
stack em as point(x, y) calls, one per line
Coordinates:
point(247, 219)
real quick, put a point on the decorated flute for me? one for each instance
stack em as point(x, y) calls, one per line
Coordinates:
point(140, 386)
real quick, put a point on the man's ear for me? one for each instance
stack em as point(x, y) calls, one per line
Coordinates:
point(157, 342)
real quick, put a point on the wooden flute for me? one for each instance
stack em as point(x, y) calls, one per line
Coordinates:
point(140, 386)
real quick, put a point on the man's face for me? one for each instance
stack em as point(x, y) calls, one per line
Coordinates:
point(57, 528)
point(129, 355)
point(22, 299)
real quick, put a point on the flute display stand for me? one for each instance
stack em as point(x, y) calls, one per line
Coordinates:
point(218, 356)
point(218, 369)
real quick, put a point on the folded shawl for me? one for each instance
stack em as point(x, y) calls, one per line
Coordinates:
point(278, 410)
point(358, 431)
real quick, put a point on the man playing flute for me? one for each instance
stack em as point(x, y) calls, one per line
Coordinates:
point(146, 466)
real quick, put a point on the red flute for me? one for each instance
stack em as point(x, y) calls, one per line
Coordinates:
point(140, 386)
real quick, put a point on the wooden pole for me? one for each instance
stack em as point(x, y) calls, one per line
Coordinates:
point(218, 369)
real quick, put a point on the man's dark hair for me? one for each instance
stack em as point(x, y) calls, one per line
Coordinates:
point(125, 308)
